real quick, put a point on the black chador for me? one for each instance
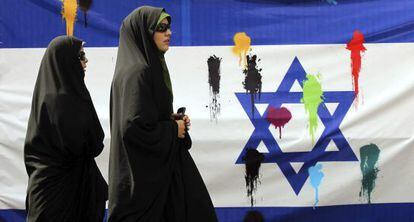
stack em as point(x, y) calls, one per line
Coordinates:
point(152, 176)
point(63, 138)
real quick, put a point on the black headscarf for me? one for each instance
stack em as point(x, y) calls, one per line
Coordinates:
point(63, 137)
point(152, 176)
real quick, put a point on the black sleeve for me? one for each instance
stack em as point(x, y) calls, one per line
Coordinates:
point(143, 128)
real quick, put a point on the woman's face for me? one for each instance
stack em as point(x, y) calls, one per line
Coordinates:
point(83, 60)
point(162, 35)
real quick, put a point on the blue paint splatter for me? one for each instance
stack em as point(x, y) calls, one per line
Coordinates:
point(316, 175)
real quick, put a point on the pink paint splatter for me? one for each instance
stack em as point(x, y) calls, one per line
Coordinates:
point(278, 117)
point(356, 46)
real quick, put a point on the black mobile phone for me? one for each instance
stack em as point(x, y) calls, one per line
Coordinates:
point(181, 111)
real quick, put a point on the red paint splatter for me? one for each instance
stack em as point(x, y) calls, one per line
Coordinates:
point(278, 117)
point(356, 46)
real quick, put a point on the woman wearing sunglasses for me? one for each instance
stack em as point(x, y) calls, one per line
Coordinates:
point(152, 176)
point(63, 137)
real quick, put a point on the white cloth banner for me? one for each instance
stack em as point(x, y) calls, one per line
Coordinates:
point(382, 116)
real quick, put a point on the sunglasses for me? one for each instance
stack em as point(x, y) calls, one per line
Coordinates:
point(162, 27)
point(82, 56)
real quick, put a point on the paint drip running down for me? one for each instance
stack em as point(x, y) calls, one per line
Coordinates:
point(278, 117)
point(312, 98)
point(316, 176)
point(85, 5)
point(356, 46)
point(253, 159)
point(69, 14)
point(214, 80)
point(369, 155)
point(253, 79)
point(241, 46)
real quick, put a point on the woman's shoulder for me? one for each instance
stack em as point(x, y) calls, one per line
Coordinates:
point(131, 72)
point(136, 74)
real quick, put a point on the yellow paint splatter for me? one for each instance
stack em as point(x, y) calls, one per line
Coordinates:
point(241, 46)
point(69, 14)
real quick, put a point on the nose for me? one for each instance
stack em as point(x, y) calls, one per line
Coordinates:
point(168, 32)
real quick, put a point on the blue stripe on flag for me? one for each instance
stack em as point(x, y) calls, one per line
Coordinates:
point(400, 212)
point(33, 23)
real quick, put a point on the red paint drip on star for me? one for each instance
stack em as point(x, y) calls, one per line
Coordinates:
point(278, 117)
point(356, 46)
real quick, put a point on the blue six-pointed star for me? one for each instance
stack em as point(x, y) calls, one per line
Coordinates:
point(318, 152)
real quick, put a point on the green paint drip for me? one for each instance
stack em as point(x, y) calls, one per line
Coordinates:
point(312, 98)
point(369, 155)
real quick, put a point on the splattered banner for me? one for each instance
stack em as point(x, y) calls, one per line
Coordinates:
point(301, 110)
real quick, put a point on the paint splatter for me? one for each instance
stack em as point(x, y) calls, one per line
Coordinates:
point(85, 5)
point(253, 159)
point(214, 80)
point(356, 46)
point(316, 176)
point(369, 155)
point(312, 98)
point(241, 46)
point(253, 216)
point(278, 117)
point(69, 14)
point(253, 79)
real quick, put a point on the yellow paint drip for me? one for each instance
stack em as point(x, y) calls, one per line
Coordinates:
point(69, 14)
point(241, 46)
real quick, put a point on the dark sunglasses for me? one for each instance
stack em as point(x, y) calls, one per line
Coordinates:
point(82, 56)
point(162, 27)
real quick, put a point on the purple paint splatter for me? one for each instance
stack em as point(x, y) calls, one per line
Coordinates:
point(278, 117)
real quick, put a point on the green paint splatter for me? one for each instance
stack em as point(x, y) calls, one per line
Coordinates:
point(312, 98)
point(369, 155)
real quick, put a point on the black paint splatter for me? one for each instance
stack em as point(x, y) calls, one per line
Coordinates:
point(214, 81)
point(253, 159)
point(253, 216)
point(85, 5)
point(253, 80)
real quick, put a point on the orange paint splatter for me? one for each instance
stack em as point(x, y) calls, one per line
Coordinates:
point(69, 14)
point(241, 46)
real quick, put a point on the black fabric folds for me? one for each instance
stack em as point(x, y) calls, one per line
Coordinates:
point(63, 137)
point(152, 176)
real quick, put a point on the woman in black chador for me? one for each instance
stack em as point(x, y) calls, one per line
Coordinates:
point(63, 138)
point(152, 177)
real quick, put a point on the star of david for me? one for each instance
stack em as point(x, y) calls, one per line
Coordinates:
point(318, 153)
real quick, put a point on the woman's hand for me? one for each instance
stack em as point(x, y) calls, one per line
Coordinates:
point(187, 122)
point(181, 128)
point(185, 118)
